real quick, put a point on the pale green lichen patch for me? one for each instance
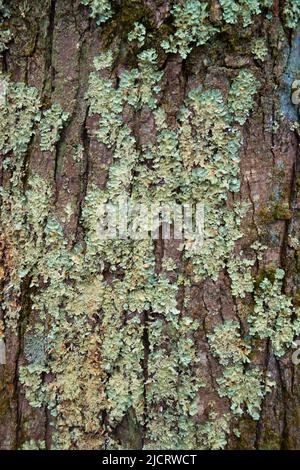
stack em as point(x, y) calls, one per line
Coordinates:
point(292, 13)
point(115, 341)
point(52, 122)
point(138, 34)
point(274, 316)
point(191, 20)
point(241, 95)
point(236, 10)
point(19, 113)
point(100, 10)
point(5, 33)
point(259, 49)
point(245, 389)
point(227, 345)
point(214, 432)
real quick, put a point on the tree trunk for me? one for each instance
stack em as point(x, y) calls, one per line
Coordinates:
point(149, 343)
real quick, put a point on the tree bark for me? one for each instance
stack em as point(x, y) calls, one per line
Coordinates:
point(82, 348)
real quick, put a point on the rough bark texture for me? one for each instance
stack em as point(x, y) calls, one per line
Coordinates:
point(73, 396)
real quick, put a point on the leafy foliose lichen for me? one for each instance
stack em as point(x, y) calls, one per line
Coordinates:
point(236, 10)
point(214, 431)
point(241, 95)
point(19, 113)
point(259, 49)
point(138, 34)
point(244, 389)
point(101, 10)
point(227, 345)
point(52, 122)
point(5, 33)
point(292, 13)
point(191, 20)
point(274, 316)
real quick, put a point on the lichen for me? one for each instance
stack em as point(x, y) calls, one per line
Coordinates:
point(244, 389)
point(114, 339)
point(138, 34)
point(100, 10)
point(191, 20)
point(292, 13)
point(19, 113)
point(259, 49)
point(227, 345)
point(241, 95)
point(214, 431)
point(5, 33)
point(274, 316)
point(52, 122)
point(236, 10)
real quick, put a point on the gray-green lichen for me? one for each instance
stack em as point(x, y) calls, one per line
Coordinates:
point(138, 34)
point(236, 10)
point(241, 95)
point(100, 10)
point(292, 13)
point(110, 336)
point(191, 20)
point(52, 122)
point(244, 388)
point(274, 316)
point(5, 33)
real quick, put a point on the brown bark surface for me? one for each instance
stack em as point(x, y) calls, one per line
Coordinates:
point(52, 49)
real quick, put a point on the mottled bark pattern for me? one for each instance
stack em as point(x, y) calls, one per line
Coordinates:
point(52, 49)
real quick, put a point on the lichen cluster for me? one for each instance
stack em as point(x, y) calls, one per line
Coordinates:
point(236, 10)
point(100, 10)
point(191, 20)
point(113, 336)
point(5, 34)
point(292, 13)
point(193, 25)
